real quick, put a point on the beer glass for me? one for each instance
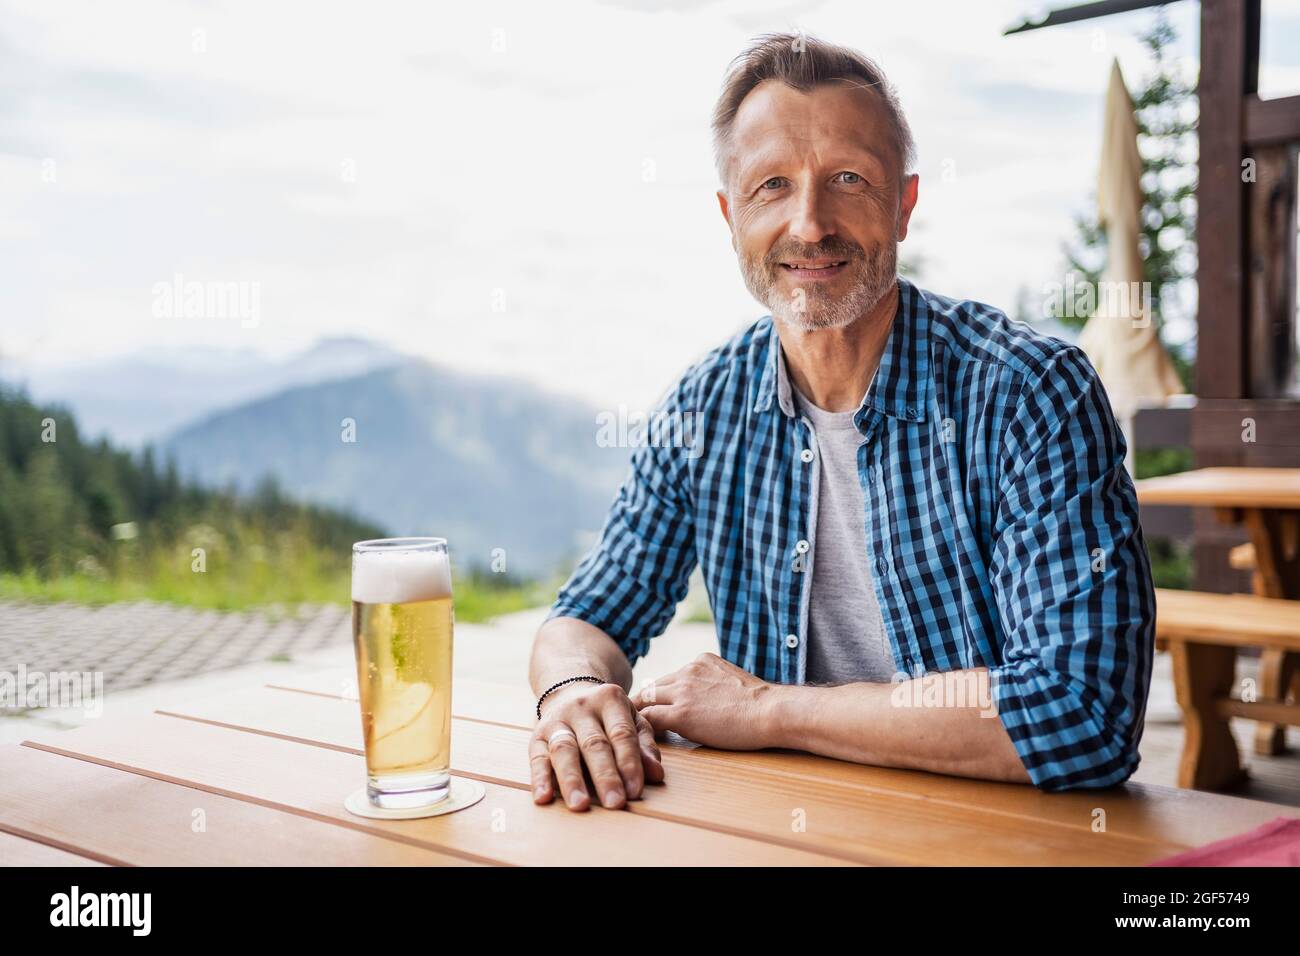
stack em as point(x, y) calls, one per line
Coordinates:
point(402, 631)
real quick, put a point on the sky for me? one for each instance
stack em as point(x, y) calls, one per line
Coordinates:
point(519, 188)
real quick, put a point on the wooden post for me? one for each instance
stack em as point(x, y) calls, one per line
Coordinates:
point(1270, 290)
point(1229, 68)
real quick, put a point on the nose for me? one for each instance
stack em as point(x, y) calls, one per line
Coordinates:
point(812, 221)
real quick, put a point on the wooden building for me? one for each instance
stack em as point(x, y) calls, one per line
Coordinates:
point(1247, 410)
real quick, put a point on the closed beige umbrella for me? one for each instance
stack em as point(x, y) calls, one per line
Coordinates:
point(1120, 338)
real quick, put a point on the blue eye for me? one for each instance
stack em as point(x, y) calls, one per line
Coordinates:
point(774, 179)
point(851, 178)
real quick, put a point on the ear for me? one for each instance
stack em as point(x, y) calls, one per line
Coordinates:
point(726, 214)
point(906, 203)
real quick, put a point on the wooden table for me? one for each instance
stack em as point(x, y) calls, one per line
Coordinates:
point(1267, 502)
point(259, 777)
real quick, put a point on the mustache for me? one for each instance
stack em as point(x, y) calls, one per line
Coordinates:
point(832, 247)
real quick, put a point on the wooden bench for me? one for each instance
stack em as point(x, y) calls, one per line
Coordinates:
point(1203, 632)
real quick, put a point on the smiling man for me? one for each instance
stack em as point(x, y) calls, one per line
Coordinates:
point(919, 539)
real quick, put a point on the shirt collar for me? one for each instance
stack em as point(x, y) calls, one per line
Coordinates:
point(901, 388)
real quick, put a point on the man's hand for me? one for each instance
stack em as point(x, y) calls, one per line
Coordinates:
point(595, 725)
point(711, 702)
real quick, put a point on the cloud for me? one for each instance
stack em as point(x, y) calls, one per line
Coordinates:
point(495, 187)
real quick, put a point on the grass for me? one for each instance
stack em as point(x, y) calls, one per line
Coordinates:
point(253, 584)
point(1171, 564)
point(1171, 561)
point(233, 594)
point(481, 596)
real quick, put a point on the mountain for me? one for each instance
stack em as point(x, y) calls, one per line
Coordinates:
point(142, 397)
point(485, 462)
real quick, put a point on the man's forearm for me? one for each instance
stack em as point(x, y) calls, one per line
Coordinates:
point(918, 724)
point(566, 647)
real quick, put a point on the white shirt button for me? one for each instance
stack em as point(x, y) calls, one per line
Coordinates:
point(792, 641)
point(806, 455)
point(801, 547)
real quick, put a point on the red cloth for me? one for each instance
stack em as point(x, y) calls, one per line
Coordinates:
point(1276, 843)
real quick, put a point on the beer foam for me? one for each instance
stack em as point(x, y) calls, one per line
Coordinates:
point(399, 577)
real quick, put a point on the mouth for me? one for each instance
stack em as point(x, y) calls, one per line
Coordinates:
point(814, 268)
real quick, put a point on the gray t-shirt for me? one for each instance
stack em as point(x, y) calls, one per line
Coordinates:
point(846, 633)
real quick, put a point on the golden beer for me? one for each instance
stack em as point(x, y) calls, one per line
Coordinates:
point(402, 624)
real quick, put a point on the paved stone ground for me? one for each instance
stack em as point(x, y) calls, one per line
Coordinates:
point(134, 644)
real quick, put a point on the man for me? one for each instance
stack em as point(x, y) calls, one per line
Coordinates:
point(920, 543)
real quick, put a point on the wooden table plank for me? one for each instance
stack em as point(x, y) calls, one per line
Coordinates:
point(20, 851)
point(1224, 488)
point(1166, 815)
point(125, 818)
point(312, 781)
point(977, 822)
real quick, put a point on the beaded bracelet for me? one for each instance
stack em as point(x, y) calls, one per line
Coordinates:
point(567, 680)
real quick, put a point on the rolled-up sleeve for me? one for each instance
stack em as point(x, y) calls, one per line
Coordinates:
point(630, 583)
point(1073, 584)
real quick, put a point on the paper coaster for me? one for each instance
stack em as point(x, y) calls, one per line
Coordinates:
point(464, 793)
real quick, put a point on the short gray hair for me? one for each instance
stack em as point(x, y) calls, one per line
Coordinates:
point(803, 62)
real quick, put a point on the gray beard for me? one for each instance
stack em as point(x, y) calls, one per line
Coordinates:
point(873, 277)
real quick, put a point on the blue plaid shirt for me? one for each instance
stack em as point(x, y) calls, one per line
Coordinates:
point(1000, 520)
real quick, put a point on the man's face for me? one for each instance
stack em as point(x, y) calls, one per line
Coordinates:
point(816, 201)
